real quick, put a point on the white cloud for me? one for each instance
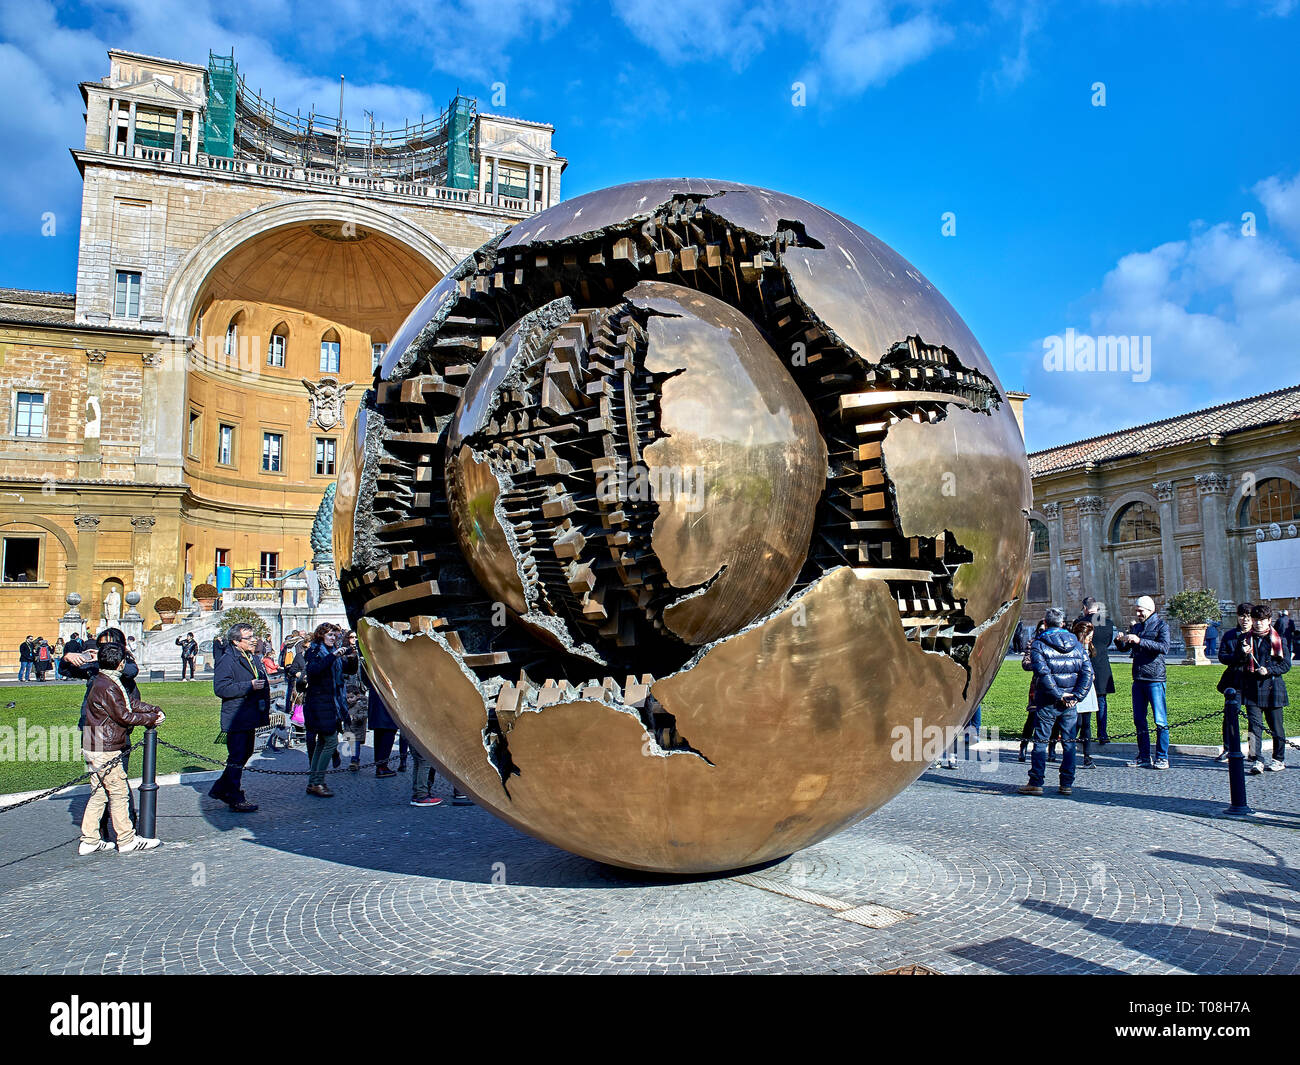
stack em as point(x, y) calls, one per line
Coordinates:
point(1281, 199)
point(1222, 310)
point(853, 44)
point(42, 59)
point(1014, 66)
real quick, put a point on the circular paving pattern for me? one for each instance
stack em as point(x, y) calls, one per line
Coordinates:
point(1133, 874)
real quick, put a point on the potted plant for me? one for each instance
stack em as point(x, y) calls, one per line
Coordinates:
point(206, 595)
point(167, 607)
point(1194, 611)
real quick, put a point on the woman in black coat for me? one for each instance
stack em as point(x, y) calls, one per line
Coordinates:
point(324, 709)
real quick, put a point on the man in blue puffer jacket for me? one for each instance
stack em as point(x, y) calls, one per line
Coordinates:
point(1062, 677)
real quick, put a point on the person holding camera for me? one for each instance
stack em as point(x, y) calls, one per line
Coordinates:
point(111, 713)
point(240, 682)
point(1062, 677)
point(325, 707)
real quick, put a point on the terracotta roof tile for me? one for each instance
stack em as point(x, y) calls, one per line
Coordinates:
point(1253, 412)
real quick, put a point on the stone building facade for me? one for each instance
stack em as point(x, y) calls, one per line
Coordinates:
point(236, 285)
point(1176, 504)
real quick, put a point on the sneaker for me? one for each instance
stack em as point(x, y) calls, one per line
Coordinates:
point(1088, 763)
point(1256, 768)
point(140, 843)
point(951, 763)
point(242, 806)
point(1275, 766)
point(1222, 756)
point(1159, 765)
point(383, 772)
point(427, 800)
point(94, 848)
point(1137, 763)
point(1065, 789)
point(354, 766)
point(320, 791)
point(1029, 789)
point(457, 799)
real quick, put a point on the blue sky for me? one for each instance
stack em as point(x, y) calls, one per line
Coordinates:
point(1125, 219)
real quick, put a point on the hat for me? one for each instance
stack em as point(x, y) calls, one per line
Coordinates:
point(1147, 603)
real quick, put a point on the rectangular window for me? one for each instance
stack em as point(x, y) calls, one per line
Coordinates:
point(192, 441)
point(270, 567)
point(272, 448)
point(22, 558)
point(126, 295)
point(329, 356)
point(275, 351)
point(29, 414)
point(1038, 586)
point(1142, 579)
point(225, 445)
point(326, 450)
point(222, 557)
point(377, 352)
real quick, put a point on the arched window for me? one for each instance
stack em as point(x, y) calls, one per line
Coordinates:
point(276, 346)
point(1041, 541)
point(1274, 500)
point(232, 336)
point(1137, 521)
point(329, 352)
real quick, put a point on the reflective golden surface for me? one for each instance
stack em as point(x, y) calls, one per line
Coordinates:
point(910, 553)
point(345, 491)
point(739, 473)
point(801, 718)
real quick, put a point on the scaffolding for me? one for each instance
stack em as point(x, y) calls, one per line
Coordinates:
point(242, 123)
point(219, 118)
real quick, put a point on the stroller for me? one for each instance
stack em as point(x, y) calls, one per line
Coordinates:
point(287, 727)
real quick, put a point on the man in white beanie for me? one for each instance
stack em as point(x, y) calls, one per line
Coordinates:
point(1148, 641)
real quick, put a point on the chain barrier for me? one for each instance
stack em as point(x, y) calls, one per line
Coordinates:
point(100, 771)
point(266, 772)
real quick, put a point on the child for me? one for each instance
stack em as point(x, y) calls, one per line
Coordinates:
point(110, 715)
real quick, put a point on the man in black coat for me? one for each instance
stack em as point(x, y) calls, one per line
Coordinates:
point(189, 651)
point(1148, 641)
point(1229, 653)
point(241, 683)
point(26, 659)
point(1103, 681)
point(1256, 663)
point(1287, 630)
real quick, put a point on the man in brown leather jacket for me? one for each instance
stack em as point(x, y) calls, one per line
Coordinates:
point(111, 714)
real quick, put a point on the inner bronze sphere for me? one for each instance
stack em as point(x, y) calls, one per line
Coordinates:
point(672, 513)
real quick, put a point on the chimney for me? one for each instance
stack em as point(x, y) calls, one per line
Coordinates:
point(1017, 401)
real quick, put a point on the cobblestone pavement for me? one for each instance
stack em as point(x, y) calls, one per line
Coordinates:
point(1135, 873)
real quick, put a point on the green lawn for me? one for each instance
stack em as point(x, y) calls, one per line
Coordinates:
point(1190, 693)
point(193, 721)
point(193, 717)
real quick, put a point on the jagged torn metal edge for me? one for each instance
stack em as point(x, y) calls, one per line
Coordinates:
point(504, 771)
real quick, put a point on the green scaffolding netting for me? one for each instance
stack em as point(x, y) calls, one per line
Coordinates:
point(462, 170)
point(219, 119)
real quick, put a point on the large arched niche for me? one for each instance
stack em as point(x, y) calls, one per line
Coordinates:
point(345, 261)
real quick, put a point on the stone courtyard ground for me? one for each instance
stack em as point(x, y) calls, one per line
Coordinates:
point(1136, 873)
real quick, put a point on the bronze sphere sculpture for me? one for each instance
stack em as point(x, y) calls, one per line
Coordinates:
point(669, 508)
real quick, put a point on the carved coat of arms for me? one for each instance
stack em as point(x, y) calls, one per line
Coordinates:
point(326, 398)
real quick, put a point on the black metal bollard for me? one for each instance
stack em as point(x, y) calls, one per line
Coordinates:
point(148, 826)
point(1236, 760)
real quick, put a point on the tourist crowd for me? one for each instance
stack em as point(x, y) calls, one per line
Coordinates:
point(1071, 680)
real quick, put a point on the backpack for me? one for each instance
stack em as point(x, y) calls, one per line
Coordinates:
point(42, 654)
